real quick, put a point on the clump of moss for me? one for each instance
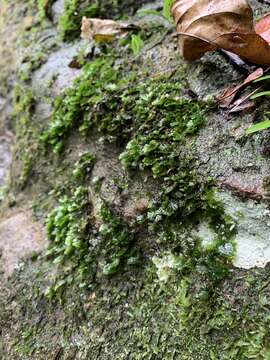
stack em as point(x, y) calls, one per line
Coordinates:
point(82, 244)
point(106, 99)
point(160, 125)
point(119, 238)
point(67, 225)
point(80, 103)
point(31, 64)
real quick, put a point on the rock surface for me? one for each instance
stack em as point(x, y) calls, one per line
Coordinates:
point(20, 237)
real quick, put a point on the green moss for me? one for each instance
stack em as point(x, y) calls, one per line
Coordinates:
point(108, 271)
point(108, 99)
point(44, 8)
point(66, 225)
point(160, 125)
point(82, 244)
point(30, 65)
point(80, 102)
point(149, 319)
point(26, 150)
point(119, 238)
point(84, 166)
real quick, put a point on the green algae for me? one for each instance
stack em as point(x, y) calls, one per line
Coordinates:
point(23, 111)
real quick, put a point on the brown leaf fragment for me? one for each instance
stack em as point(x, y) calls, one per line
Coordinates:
point(208, 25)
point(242, 107)
point(228, 95)
point(105, 30)
point(238, 105)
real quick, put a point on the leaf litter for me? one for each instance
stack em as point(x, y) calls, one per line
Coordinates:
point(209, 25)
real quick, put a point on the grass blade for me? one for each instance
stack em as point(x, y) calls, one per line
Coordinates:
point(258, 127)
point(266, 77)
point(262, 93)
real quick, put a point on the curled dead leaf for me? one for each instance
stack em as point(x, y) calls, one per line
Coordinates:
point(105, 30)
point(208, 25)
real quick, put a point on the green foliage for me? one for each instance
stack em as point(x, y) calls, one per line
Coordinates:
point(263, 125)
point(262, 78)
point(260, 94)
point(167, 5)
point(136, 44)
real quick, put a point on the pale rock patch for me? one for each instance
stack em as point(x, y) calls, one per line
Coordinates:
point(20, 236)
point(253, 231)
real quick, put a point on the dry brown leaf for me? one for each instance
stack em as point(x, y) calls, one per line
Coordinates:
point(105, 30)
point(239, 104)
point(228, 95)
point(242, 107)
point(207, 25)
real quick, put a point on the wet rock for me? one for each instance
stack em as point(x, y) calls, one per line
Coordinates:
point(253, 230)
point(5, 156)
point(245, 185)
point(56, 74)
point(58, 8)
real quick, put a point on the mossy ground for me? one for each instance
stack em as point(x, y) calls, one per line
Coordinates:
point(121, 281)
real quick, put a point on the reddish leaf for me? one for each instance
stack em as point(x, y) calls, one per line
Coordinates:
point(263, 28)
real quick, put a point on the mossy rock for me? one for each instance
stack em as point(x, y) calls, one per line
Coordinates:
point(115, 168)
